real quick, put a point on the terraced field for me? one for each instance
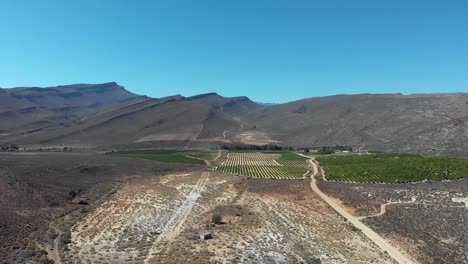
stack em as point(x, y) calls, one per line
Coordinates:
point(281, 165)
point(392, 168)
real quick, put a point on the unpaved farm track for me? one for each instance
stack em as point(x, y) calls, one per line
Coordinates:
point(371, 234)
point(159, 219)
point(174, 226)
point(136, 219)
point(382, 211)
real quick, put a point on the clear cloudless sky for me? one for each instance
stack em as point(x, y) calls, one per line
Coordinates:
point(271, 51)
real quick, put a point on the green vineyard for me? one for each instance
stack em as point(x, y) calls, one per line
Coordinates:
point(391, 168)
point(283, 165)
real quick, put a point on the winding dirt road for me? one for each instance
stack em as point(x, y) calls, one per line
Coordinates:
point(224, 133)
point(382, 212)
point(371, 234)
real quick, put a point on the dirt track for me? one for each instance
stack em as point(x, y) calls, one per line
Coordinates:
point(174, 226)
point(383, 209)
point(376, 238)
point(37, 192)
point(159, 219)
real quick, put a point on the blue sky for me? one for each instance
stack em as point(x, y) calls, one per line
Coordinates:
point(271, 51)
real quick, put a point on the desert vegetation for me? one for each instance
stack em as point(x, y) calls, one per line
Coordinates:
point(9, 147)
point(333, 149)
point(391, 168)
point(160, 220)
point(279, 165)
point(253, 147)
point(426, 219)
point(42, 195)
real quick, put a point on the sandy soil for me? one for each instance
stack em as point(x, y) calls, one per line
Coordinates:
point(159, 219)
point(255, 138)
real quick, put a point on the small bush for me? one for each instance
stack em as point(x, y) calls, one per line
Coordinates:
point(65, 238)
point(216, 219)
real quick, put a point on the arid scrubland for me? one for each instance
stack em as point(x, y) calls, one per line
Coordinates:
point(160, 219)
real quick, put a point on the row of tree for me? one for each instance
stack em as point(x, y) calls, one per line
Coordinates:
point(9, 147)
point(320, 150)
point(254, 147)
point(333, 149)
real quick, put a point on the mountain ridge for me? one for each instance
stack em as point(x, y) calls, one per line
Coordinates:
point(416, 123)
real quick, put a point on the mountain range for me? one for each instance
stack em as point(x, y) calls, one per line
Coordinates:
point(107, 115)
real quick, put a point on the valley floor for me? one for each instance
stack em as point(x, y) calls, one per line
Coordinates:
point(89, 208)
point(159, 220)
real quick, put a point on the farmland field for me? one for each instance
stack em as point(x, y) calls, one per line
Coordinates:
point(279, 165)
point(166, 156)
point(391, 168)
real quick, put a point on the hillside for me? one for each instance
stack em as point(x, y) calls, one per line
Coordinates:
point(159, 120)
point(108, 115)
point(230, 105)
point(421, 123)
point(70, 98)
point(116, 117)
point(32, 108)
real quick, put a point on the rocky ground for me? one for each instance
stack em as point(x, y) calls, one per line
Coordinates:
point(427, 219)
point(83, 208)
point(159, 220)
point(43, 194)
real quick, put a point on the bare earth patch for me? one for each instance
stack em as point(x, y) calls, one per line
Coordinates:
point(159, 220)
point(255, 138)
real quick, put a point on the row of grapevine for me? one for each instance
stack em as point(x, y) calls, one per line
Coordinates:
point(263, 165)
point(293, 163)
point(254, 159)
point(392, 168)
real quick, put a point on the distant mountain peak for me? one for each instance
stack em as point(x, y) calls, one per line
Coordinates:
point(73, 97)
point(199, 96)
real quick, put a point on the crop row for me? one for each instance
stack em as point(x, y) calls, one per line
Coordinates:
point(263, 165)
point(254, 159)
point(392, 168)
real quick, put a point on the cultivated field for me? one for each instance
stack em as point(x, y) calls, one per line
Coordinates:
point(80, 208)
point(280, 165)
point(188, 157)
point(391, 168)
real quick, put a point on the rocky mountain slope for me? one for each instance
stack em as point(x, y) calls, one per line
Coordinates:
point(107, 115)
point(422, 123)
point(68, 98)
point(32, 108)
point(104, 115)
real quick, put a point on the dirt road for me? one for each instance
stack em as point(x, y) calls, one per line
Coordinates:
point(382, 212)
point(53, 251)
point(224, 133)
point(376, 238)
point(174, 226)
